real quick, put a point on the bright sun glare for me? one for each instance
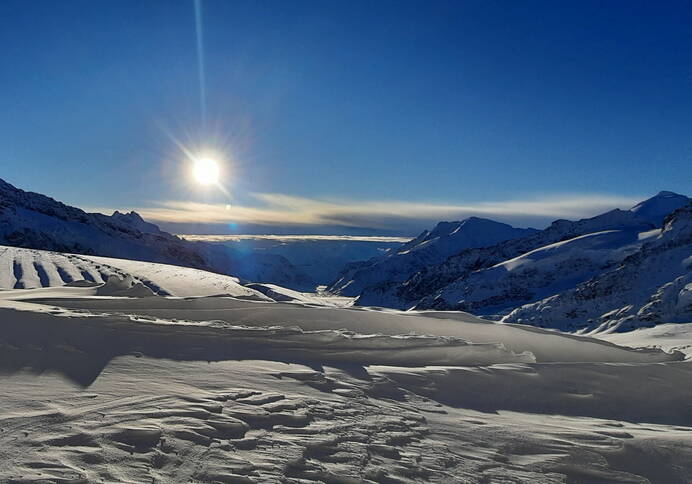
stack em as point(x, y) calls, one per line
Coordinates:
point(206, 171)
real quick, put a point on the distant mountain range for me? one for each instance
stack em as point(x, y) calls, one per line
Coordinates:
point(612, 272)
point(542, 277)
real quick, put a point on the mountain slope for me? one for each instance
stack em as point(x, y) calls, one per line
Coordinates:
point(539, 273)
point(651, 286)
point(430, 247)
point(456, 283)
point(35, 221)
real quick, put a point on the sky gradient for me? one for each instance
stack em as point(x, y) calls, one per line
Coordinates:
point(406, 105)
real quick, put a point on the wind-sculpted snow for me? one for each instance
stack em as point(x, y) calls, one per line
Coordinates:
point(218, 340)
point(219, 317)
point(282, 294)
point(228, 389)
point(573, 389)
point(154, 420)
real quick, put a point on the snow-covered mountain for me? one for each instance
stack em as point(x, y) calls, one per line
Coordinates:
point(430, 247)
point(35, 221)
point(501, 277)
point(657, 208)
point(651, 286)
point(538, 273)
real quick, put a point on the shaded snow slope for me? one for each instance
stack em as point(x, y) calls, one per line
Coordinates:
point(430, 247)
point(35, 221)
point(651, 286)
point(544, 346)
point(31, 324)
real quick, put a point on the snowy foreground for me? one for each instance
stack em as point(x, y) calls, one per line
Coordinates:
point(104, 379)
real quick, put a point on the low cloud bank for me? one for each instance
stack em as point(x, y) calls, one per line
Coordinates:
point(287, 213)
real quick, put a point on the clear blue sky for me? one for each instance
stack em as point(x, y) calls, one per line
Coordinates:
point(426, 102)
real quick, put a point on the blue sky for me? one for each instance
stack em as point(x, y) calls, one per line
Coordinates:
point(429, 109)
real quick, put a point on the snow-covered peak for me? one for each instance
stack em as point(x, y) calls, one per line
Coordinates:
point(451, 237)
point(656, 208)
point(430, 247)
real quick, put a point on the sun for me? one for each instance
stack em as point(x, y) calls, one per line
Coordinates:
point(206, 171)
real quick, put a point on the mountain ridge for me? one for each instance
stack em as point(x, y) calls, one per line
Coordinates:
point(36, 221)
point(430, 247)
point(507, 275)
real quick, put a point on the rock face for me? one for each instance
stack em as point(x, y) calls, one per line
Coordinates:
point(497, 279)
point(35, 221)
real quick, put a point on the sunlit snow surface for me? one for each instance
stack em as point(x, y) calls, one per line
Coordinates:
point(217, 382)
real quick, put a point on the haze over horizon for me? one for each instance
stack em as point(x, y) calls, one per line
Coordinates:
point(522, 113)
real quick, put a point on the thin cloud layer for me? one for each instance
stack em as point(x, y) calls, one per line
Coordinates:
point(278, 209)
